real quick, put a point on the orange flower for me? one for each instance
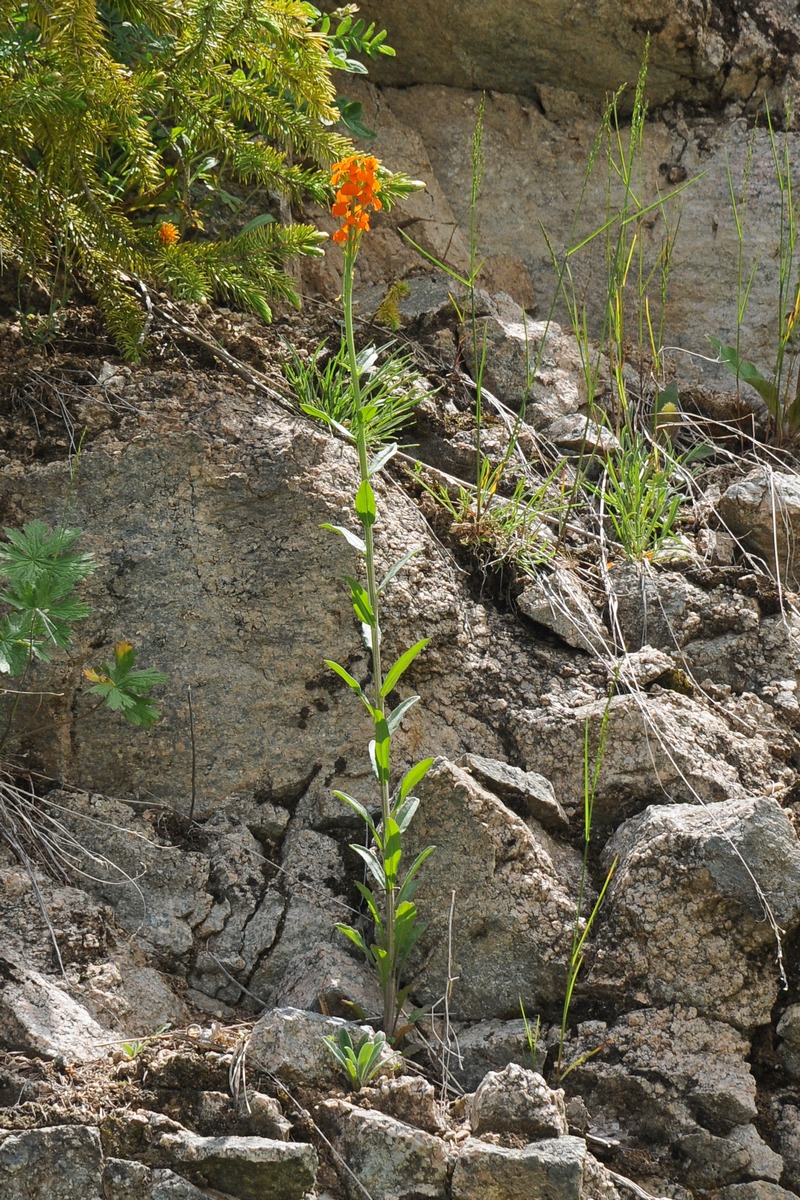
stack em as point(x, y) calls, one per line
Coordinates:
point(356, 181)
point(168, 233)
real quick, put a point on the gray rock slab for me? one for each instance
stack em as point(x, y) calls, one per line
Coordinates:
point(39, 1017)
point(763, 509)
point(516, 1100)
point(557, 1169)
point(557, 600)
point(489, 1046)
point(53, 1163)
point(248, 1168)
point(527, 793)
point(684, 913)
point(392, 1160)
point(515, 890)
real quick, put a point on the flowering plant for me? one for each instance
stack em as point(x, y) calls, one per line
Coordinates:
point(357, 180)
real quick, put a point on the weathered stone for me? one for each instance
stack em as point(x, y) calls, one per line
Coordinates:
point(788, 1128)
point(514, 891)
point(703, 55)
point(763, 1162)
point(560, 1167)
point(410, 1099)
point(53, 1163)
point(514, 349)
point(528, 794)
point(577, 434)
point(755, 1190)
point(658, 748)
point(683, 919)
point(248, 1168)
point(660, 1072)
point(391, 1160)
point(288, 1043)
point(763, 509)
point(557, 600)
point(515, 1100)
point(42, 1019)
point(491, 1046)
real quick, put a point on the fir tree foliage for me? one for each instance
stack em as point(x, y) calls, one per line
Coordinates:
point(110, 114)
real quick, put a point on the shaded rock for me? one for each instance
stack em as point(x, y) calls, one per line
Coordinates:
point(788, 1030)
point(528, 794)
point(515, 1100)
point(515, 894)
point(560, 1167)
point(712, 1162)
point(58, 1163)
point(576, 434)
point(40, 1018)
point(660, 1072)
point(557, 600)
point(642, 667)
point(288, 1043)
point(390, 1159)
point(695, 53)
point(763, 1163)
point(125, 1180)
point(788, 1128)
point(683, 920)
point(755, 1190)
point(249, 1168)
point(491, 1046)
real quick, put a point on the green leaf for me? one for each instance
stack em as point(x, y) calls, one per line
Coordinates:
point(383, 746)
point(354, 936)
point(373, 866)
point(395, 717)
point(365, 504)
point(398, 566)
point(749, 373)
point(372, 904)
point(351, 538)
point(414, 775)
point(361, 604)
point(404, 812)
point(421, 858)
point(382, 458)
point(392, 852)
point(358, 807)
point(347, 677)
point(319, 415)
point(401, 665)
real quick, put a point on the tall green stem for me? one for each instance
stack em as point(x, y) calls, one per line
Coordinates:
point(391, 988)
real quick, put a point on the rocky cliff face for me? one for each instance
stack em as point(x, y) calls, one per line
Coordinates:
point(204, 865)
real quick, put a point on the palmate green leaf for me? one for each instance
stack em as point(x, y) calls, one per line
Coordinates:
point(125, 690)
point(36, 551)
point(15, 647)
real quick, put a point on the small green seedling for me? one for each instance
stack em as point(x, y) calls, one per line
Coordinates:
point(360, 1061)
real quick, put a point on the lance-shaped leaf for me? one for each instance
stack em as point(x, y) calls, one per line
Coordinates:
point(351, 538)
point(748, 373)
point(414, 775)
point(407, 888)
point(382, 458)
point(365, 504)
point(358, 807)
point(403, 812)
point(398, 566)
point(383, 746)
point(319, 415)
point(394, 718)
point(402, 664)
point(349, 680)
point(361, 604)
point(374, 867)
point(355, 937)
point(392, 852)
point(372, 904)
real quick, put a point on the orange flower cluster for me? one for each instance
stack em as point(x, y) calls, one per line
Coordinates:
point(356, 183)
point(168, 233)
